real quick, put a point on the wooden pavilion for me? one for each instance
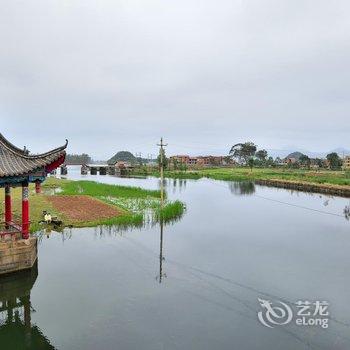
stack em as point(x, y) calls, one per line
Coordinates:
point(18, 168)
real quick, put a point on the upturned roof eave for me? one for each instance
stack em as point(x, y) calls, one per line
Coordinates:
point(25, 163)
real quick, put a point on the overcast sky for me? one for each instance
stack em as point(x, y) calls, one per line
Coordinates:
point(117, 75)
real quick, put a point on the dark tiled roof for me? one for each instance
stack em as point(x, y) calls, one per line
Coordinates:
point(17, 162)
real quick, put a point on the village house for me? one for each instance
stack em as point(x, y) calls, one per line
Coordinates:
point(199, 161)
point(346, 163)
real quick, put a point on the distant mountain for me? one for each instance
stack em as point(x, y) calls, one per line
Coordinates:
point(340, 151)
point(295, 155)
point(123, 156)
point(286, 153)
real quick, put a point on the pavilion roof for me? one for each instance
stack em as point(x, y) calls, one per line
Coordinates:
point(18, 162)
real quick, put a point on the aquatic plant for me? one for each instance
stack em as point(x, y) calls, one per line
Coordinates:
point(170, 211)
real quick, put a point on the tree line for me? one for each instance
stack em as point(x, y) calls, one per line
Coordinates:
point(248, 154)
point(72, 159)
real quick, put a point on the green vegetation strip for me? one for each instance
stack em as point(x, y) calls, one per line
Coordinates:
point(96, 189)
point(326, 177)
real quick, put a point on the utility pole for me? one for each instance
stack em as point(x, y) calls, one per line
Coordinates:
point(161, 257)
point(161, 145)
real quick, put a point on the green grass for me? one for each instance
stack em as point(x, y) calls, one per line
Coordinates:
point(149, 208)
point(172, 211)
point(135, 205)
point(95, 189)
point(329, 177)
point(37, 203)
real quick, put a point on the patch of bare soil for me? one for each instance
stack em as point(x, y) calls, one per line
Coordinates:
point(83, 208)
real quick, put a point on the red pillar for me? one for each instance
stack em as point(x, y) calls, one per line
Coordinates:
point(8, 205)
point(25, 211)
point(38, 187)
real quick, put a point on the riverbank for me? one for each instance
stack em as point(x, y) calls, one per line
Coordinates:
point(88, 204)
point(326, 181)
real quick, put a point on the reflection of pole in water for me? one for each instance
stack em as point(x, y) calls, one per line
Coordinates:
point(161, 258)
point(347, 211)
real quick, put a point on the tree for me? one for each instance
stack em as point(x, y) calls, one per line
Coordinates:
point(304, 160)
point(78, 159)
point(319, 162)
point(243, 151)
point(251, 163)
point(175, 163)
point(334, 160)
point(278, 161)
point(165, 160)
point(270, 162)
point(261, 155)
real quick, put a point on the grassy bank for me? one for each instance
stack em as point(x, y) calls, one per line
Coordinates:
point(132, 204)
point(323, 181)
point(339, 178)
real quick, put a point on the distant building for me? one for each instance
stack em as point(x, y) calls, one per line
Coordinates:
point(346, 163)
point(291, 160)
point(199, 161)
point(121, 164)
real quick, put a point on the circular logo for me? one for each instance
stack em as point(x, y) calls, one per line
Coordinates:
point(272, 315)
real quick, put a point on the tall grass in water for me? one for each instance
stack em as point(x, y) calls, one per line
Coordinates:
point(172, 211)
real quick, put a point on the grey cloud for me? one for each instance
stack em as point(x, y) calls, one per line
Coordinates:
point(113, 75)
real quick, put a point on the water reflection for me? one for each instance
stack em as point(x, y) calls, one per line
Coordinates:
point(242, 188)
point(65, 232)
point(16, 328)
point(347, 212)
point(161, 257)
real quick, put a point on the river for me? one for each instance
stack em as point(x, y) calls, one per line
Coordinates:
point(237, 243)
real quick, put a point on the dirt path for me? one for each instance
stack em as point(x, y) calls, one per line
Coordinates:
point(82, 208)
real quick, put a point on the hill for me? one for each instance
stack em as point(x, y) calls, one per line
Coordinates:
point(123, 156)
point(295, 155)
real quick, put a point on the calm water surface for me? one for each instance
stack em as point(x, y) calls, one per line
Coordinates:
point(98, 288)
